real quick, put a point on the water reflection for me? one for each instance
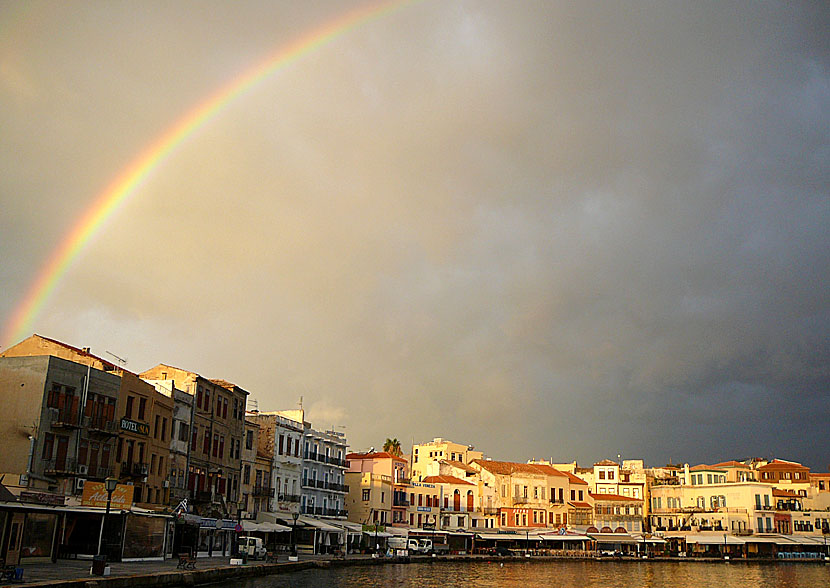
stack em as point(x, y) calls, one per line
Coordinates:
point(581, 574)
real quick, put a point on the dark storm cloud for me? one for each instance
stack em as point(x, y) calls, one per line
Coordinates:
point(551, 230)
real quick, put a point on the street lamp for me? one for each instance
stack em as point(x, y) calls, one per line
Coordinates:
point(109, 485)
point(294, 516)
point(99, 561)
point(725, 556)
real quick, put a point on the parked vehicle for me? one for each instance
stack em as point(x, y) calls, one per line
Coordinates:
point(252, 547)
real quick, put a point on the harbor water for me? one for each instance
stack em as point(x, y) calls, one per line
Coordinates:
point(562, 574)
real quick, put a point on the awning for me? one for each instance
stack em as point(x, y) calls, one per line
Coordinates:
point(503, 537)
point(379, 534)
point(718, 539)
point(802, 540)
point(351, 529)
point(612, 538)
point(273, 528)
point(310, 522)
point(652, 539)
point(558, 537)
point(397, 531)
point(764, 539)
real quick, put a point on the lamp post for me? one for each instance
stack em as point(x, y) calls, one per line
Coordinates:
point(725, 555)
point(294, 516)
point(109, 485)
point(99, 561)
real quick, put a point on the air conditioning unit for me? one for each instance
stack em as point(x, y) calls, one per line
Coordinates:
point(79, 484)
point(165, 484)
point(82, 469)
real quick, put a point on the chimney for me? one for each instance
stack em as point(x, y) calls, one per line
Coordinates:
point(85, 349)
point(686, 480)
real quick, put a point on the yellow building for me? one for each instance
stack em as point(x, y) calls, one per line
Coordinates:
point(439, 449)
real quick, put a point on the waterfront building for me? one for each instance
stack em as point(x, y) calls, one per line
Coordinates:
point(786, 475)
point(142, 449)
point(280, 442)
point(614, 513)
point(458, 502)
point(249, 505)
point(216, 429)
point(737, 507)
point(324, 464)
point(424, 504)
point(440, 449)
point(526, 495)
point(380, 463)
point(58, 424)
point(179, 438)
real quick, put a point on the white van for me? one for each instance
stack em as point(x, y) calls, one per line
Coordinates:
point(252, 547)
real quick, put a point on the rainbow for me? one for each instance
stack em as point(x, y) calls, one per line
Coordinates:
point(131, 178)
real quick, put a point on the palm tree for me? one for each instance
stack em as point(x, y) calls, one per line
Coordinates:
point(393, 446)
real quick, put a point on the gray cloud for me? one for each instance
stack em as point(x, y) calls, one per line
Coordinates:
point(549, 230)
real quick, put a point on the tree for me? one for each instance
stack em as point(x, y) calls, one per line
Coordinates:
point(393, 446)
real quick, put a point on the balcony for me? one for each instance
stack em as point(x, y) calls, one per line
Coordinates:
point(335, 461)
point(311, 456)
point(320, 484)
point(400, 502)
point(134, 469)
point(520, 500)
point(64, 467)
point(64, 418)
point(289, 498)
point(337, 487)
point(263, 491)
point(100, 424)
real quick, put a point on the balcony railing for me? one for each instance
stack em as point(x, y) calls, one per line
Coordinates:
point(337, 487)
point(100, 424)
point(289, 498)
point(134, 469)
point(520, 500)
point(263, 491)
point(64, 417)
point(65, 467)
point(336, 461)
point(400, 502)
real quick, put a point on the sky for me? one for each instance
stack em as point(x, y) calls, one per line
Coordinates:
point(552, 230)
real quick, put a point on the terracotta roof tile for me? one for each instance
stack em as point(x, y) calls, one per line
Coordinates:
point(612, 497)
point(375, 455)
point(507, 468)
point(446, 480)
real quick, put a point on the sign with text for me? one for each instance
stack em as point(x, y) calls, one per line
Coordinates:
point(135, 427)
point(95, 494)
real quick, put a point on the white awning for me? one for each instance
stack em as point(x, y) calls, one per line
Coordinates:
point(310, 522)
point(802, 540)
point(652, 539)
point(558, 537)
point(379, 534)
point(718, 539)
point(502, 537)
point(612, 538)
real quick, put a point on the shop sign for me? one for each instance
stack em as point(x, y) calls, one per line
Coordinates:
point(95, 494)
point(42, 498)
point(135, 427)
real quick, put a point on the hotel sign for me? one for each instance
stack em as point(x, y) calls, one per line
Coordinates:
point(135, 427)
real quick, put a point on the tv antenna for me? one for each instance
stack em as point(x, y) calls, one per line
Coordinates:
point(120, 360)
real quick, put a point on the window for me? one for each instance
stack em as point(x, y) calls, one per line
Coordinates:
point(366, 494)
point(602, 474)
point(156, 428)
point(249, 440)
point(281, 443)
point(128, 411)
point(48, 445)
point(610, 474)
point(142, 408)
point(164, 428)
